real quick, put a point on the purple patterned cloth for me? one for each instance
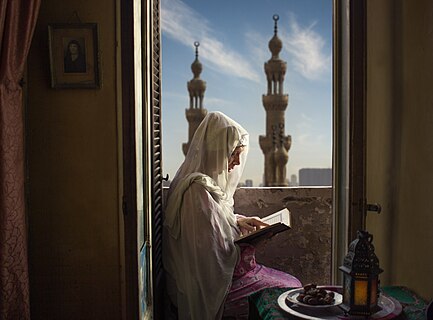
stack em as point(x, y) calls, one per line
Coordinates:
point(250, 277)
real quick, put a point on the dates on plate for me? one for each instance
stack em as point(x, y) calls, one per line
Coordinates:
point(314, 296)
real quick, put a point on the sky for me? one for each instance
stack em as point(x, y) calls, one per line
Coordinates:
point(234, 37)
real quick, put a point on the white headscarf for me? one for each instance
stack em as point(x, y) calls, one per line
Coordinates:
point(199, 253)
point(207, 163)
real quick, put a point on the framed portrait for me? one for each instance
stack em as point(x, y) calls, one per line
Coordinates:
point(74, 56)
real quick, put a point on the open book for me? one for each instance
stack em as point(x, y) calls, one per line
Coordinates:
point(278, 222)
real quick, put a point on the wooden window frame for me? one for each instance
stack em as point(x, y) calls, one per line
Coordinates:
point(349, 140)
point(147, 99)
point(349, 121)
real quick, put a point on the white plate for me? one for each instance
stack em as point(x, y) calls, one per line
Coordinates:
point(293, 294)
point(389, 306)
point(331, 312)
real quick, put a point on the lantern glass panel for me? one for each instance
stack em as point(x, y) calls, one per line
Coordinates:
point(347, 289)
point(360, 296)
point(373, 292)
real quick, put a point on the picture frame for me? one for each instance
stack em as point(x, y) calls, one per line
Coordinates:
point(74, 55)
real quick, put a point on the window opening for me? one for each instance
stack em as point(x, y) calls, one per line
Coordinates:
point(233, 50)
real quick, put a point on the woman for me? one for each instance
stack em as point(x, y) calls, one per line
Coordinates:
point(74, 60)
point(208, 275)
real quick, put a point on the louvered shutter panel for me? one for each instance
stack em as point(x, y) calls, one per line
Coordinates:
point(157, 269)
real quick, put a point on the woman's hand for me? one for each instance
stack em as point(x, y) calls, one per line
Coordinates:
point(250, 224)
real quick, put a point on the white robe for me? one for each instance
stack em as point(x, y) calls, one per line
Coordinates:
point(201, 261)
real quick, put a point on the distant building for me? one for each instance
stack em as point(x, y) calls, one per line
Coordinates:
point(315, 177)
point(293, 180)
point(247, 183)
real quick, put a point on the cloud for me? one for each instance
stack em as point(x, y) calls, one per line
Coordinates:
point(305, 123)
point(258, 47)
point(306, 48)
point(305, 136)
point(303, 133)
point(184, 25)
point(209, 102)
point(215, 103)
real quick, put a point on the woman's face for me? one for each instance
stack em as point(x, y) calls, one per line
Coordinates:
point(234, 158)
point(73, 48)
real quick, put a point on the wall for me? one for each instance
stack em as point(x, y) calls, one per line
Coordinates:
point(305, 250)
point(400, 142)
point(72, 156)
point(381, 110)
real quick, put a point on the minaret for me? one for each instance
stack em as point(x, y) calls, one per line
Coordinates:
point(196, 89)
point(275, 144)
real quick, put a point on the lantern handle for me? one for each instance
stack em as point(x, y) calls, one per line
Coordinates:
point(365, 235)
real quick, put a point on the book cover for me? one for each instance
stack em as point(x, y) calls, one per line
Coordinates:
point(278, 221)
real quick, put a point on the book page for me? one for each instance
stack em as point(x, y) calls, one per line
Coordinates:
point(282, 216)
point(278, 222)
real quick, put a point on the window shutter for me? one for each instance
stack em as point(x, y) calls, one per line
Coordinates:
point(157, 215)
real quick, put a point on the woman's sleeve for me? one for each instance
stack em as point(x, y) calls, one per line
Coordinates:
point(209, 254)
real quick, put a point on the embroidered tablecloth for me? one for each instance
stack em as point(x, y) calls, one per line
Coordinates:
point(264, 306)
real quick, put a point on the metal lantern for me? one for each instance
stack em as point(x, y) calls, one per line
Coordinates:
point(361, 277)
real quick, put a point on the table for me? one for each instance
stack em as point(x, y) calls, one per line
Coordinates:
point(264, 306)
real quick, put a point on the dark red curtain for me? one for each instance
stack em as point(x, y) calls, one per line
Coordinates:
point(17, 23)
